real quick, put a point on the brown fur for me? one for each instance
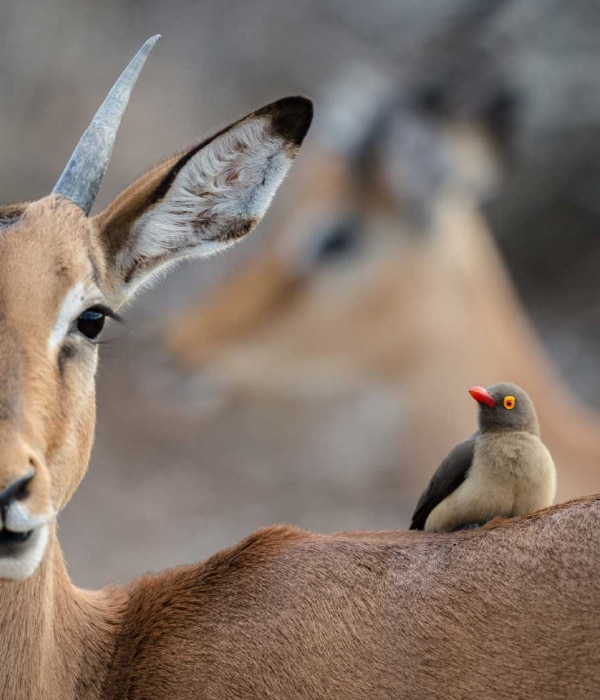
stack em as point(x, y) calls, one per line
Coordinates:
point(287, 613)
point(508, 611)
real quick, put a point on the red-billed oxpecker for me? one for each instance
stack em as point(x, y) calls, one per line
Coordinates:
point(503, 469)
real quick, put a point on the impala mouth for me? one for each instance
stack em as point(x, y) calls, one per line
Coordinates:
point(21, 552)
point(8, 538)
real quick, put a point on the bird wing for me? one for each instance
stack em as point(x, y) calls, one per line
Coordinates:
point(447, 478)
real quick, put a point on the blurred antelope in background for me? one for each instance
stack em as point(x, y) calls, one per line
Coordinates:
point(382, 266)
point(508, 610)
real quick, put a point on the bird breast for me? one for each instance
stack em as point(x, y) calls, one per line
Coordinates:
point(511, 474)
point(518, 468)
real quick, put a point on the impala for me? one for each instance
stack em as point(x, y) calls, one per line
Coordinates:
point(384, 269)
point(507, 611)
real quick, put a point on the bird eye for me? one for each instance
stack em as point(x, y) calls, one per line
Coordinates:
point(91, 322)
point(509, 402)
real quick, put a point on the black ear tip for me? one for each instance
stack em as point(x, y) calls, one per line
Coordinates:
point(291, 118)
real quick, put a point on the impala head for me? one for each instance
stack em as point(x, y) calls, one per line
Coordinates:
point(362, 231)
point(64, 273)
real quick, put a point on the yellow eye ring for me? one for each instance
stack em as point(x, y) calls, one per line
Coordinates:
point(509, 402)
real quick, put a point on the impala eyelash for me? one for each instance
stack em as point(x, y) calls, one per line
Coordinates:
point(107, 311)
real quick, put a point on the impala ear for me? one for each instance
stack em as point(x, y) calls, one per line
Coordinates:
point(203, 200)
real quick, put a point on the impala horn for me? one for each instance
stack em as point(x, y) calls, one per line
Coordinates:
point(82, 177)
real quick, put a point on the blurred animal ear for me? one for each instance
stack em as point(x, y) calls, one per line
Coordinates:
point(411, 162)
point(495, 107)
point(204, 199)
point(501, 115)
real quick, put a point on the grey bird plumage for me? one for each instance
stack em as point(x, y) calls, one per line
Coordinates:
point(502, 470)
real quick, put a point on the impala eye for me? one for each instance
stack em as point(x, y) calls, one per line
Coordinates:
point(509, 402)
point(338, 241)
point(92, 320)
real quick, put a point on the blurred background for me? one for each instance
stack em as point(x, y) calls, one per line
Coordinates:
point(300, 407)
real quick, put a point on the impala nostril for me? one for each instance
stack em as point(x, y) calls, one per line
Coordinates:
point(17, 491)
point(22, 491)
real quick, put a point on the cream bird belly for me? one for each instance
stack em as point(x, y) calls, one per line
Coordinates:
point(509, 476)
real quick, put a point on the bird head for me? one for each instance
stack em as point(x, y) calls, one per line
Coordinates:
point(505, 407)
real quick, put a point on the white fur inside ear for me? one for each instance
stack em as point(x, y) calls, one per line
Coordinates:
point(216, 198)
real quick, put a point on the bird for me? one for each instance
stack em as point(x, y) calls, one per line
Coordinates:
point(502, 470)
